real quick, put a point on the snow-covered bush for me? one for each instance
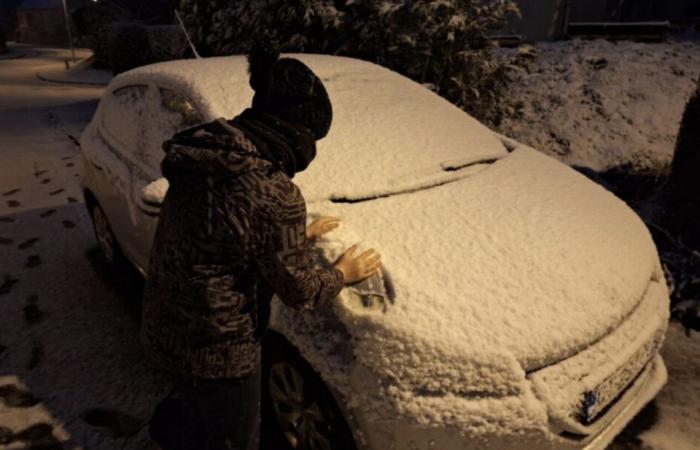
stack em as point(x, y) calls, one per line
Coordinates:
point(443, 44)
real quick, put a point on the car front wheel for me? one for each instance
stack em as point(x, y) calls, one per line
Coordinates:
point(300, 405)
point(103, 233)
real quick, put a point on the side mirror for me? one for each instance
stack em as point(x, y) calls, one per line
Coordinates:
point(153, 193)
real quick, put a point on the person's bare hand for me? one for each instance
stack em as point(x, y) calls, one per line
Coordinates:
point(320, 226)
point(357, 268)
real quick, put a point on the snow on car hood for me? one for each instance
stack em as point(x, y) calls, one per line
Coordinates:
point(527, 258)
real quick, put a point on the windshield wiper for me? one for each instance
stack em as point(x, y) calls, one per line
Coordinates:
point(446, 167)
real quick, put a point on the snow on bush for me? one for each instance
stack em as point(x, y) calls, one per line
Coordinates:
point(442, 44)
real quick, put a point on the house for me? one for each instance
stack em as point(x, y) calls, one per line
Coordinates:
point(8, 17)
point(43, 22)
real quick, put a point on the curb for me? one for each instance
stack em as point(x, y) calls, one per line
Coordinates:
point(12, 55)
point(58, 81)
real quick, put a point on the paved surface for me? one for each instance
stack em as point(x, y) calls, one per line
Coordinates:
point(69, 330)
point(68, 335)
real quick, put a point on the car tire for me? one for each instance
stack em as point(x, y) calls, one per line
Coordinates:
point(106, 240)
point(298, 410)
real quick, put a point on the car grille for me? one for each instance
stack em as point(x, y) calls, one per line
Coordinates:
point(580, 390)
point(596, 401)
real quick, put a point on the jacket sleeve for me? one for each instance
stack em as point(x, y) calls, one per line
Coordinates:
point(287, 262)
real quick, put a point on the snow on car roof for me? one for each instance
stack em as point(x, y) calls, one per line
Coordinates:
point(388, 132)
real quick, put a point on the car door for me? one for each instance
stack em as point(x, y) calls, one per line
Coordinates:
point(121, 130)
point(169, 112)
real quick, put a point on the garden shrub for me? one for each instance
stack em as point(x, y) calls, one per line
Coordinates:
point(442, 44)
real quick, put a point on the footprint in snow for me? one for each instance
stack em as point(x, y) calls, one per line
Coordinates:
point(12, 192)
point(15, 397)
point(68, 224)
point(39, 436)
point(45, 181)
point(39, 173)
point(7, 284)
point(72, 200)
point(70, 164)
point(36, 356)
point(66, 158)
point(118, 423)
point(6, 435)
point(32, 314)
point(13, 203)
point(33, 261)
point(5, 241)
point(47, 213)
point(28, 243)
point(57, 191)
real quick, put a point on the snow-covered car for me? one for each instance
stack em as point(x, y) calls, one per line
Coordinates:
point(520, 305)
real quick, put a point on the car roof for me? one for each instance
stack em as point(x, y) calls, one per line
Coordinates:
point(388, 131)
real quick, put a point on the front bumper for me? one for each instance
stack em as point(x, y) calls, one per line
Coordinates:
point(544, 415)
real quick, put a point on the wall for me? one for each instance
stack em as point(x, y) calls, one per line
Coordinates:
point(43, 27)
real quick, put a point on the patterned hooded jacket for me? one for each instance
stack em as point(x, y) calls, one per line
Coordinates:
point(231, 233)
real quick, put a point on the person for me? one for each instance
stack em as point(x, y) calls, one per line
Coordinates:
point(231, 233)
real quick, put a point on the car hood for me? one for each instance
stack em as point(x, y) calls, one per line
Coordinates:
point(526, 258)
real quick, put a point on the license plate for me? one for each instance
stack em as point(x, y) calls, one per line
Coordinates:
point(596, 401)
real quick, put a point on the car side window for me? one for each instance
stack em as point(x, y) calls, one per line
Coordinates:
point(184, 113)
point(123, 117)
point(169, 113)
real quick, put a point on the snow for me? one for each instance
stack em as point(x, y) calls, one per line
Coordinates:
point(535, 264)
point(600, 104)
point(81, 72)
point(537, 260)
point(511, 185)
point(564, 385)
point(400, 143)
point(155, 192)
point(678, 403)
point(527, 262)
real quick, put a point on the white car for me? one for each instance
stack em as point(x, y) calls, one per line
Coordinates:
point(520, 306)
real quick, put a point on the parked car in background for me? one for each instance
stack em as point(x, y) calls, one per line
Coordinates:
point(520, 305)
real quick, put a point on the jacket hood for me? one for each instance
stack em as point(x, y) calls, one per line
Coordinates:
point(216, 147)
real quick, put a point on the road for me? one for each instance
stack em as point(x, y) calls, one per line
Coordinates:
point(69, 329)
point(69, 335)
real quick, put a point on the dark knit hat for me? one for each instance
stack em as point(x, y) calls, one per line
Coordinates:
point(287, 88)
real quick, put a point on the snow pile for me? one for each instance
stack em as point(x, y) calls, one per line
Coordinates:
point(601, 104)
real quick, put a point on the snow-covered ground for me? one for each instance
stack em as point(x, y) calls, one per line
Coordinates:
point(66, 333)
point(82, 350)
point(600, 104)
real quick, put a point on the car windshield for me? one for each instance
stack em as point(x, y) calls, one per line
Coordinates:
point(389, 134)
